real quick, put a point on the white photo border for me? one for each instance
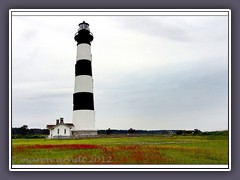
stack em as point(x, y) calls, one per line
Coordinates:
point(119, 12)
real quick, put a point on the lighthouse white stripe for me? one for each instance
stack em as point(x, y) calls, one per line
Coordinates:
point(84, 120)
point(84, 52)
point(83, 83)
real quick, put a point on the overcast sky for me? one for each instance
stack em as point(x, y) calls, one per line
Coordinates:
point(150, 72)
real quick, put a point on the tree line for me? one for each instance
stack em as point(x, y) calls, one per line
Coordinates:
point(134, 131)
point(25, 132)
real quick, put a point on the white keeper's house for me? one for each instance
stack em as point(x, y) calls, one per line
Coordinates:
point(60, 129)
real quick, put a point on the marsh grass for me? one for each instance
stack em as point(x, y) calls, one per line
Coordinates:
point(125, 150)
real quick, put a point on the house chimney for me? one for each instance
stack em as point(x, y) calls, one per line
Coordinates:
point(61, 120)
point(57, 121)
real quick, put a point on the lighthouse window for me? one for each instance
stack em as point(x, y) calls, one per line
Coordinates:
point(65, 131)
point(83, 26)
point(58, 131)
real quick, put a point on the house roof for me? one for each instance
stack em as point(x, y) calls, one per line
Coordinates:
point(66, 124)
point(50, 126)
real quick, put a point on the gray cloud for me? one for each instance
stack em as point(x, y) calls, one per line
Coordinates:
point(166, 93)
point(177, 28)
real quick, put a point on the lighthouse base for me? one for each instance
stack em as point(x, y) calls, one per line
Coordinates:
point(84, 133)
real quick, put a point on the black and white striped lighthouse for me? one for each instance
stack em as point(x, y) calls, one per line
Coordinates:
point(83, 99)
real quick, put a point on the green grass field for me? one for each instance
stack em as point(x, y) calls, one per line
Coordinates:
point(123, 150)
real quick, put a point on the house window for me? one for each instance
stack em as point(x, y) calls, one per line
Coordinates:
point(58, 131)
point(65, 131)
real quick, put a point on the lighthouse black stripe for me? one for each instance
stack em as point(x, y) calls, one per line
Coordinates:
point(84, 42)
point(83, 67)
point(83, 100)
point(83, 36)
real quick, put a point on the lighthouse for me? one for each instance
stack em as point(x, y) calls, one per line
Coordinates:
point(83, 99)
